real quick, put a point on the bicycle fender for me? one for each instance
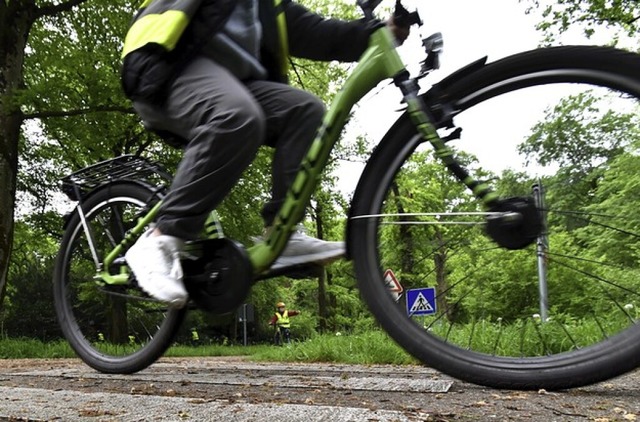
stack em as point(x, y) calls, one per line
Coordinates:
point(459, 74)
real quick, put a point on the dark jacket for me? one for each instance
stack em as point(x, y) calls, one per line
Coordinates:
point(148, 69)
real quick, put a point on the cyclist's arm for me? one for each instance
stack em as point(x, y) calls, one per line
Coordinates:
point(313, 37)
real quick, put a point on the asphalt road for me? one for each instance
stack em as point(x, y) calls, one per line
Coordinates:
point(233, 389)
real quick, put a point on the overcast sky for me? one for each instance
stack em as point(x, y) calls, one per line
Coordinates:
point(473, 28)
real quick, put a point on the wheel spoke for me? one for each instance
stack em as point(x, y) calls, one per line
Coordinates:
point(112, 328)
point(527, 317)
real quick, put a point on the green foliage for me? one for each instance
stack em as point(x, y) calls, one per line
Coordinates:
point(618, 183)
point(28, 309)
point(581, 132)
point(491, 283)
point(78, 115)
point(591, 15)
point(75, 90)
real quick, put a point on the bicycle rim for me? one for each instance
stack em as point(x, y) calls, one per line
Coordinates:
point(114, 329)
point(475, 310)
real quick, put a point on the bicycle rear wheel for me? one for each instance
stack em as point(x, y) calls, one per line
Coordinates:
point(114, 329)
point(560, 313)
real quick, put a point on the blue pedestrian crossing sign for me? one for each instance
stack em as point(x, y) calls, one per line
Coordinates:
point(421, 301)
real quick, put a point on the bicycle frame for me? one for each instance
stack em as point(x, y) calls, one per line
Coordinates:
point(379, 62)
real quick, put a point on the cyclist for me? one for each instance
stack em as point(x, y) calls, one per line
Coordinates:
point(213, 73)
point(280, 320)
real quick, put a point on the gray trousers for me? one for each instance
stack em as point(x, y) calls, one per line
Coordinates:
point(225, 121)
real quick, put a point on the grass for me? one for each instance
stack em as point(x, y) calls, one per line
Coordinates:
point(215, 350)
point(375, 347)
point(31, 348)
point(368, 348)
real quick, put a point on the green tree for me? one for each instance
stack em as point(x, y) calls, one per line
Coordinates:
point(422, 254)
point(17, 18)
point(29, 311)
point(620, 182)
point(60, 86)
point(59, 72)
point(580, 136)
point(590, 15)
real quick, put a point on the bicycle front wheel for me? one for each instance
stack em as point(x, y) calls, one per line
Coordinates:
point(114, 329)
point(560, 313)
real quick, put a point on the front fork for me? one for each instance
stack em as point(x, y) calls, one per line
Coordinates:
point(513, 223)
point(425, 124)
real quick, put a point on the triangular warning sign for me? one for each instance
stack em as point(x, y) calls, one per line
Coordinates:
point(392, 282)
point(421, 304)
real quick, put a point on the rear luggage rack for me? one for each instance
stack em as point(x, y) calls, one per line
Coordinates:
point(125, 167)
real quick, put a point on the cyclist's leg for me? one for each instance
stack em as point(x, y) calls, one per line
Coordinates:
point(224, 126)
point(213, 111)
point(292, 117)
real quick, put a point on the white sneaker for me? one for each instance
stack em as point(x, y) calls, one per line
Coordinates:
point(155, 261)
point(303, 249)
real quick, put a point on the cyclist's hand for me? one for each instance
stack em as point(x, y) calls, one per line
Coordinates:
point(400, 32)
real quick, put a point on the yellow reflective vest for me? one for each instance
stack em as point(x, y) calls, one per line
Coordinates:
point(165, 34)
point(283, 320)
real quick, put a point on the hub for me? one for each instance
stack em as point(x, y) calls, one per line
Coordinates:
point(518, 225)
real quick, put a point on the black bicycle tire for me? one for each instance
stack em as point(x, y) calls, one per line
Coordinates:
point(163, 338)
point(601, 361)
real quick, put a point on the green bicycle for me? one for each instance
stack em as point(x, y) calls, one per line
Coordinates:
point(455, 278)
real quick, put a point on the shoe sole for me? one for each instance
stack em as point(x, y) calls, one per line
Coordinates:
point(319, 258)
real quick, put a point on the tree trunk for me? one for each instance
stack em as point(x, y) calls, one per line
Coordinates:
point(16, 19)
point(406, 238)
point(440, 259)
point(322, 301)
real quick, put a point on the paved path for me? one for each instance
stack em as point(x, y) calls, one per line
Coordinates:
point(226, 389)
